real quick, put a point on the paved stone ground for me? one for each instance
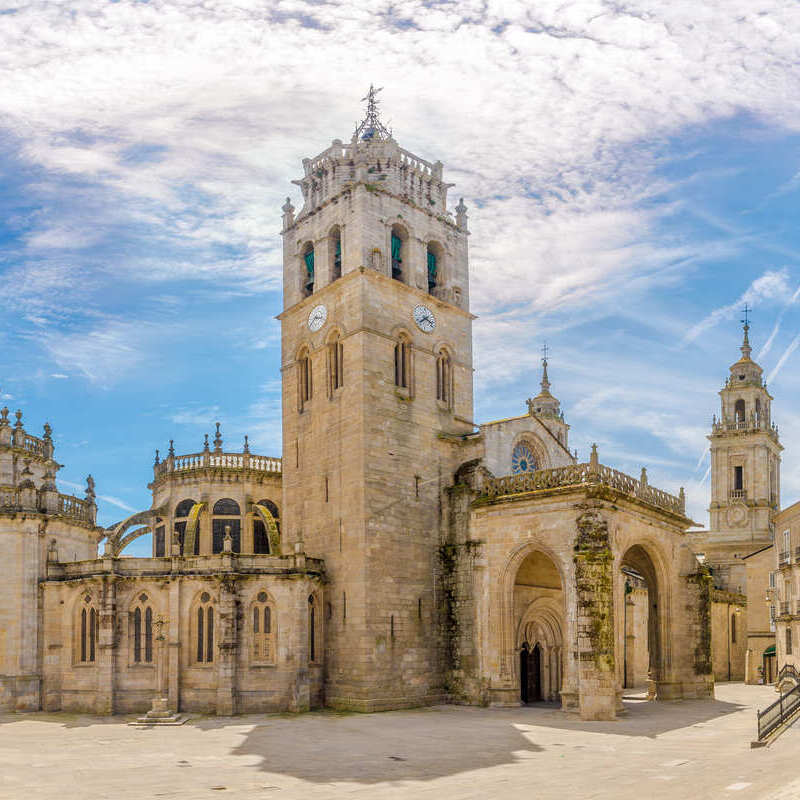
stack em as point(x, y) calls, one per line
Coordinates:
point(659, 750)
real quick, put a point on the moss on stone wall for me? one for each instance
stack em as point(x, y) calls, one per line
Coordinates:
point(704, 583)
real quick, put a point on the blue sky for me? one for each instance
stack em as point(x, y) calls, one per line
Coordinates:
point(632, 173)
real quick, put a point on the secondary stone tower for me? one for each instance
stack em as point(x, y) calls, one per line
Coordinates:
point(745, 471)
point(377, 396)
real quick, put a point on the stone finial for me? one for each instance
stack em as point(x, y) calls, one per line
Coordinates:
point(288, 214)
point(18, 415)
point(682, 498)
point(227, 540)
point(157, 459)
point(205, 444)
point(218, 441)
point(48, 432)
point(246, 445)
point(171, 448)
point(594, 461)
point(461, 215)
point(643, 478)
point(90, 495)
point(4, 416)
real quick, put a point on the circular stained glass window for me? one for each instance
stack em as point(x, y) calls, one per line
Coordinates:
point(522, 459)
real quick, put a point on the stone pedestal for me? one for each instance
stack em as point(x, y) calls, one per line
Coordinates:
point(160, 714)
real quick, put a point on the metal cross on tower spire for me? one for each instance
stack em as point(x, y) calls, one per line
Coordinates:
point(371, 126)
point(746, 349)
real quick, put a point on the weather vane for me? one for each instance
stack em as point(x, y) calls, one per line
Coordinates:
point(545, 351)
point(371, 127)
point(746, 311)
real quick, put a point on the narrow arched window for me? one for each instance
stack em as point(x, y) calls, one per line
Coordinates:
point(148, 635)
point(788, 641)
point(434, 264)
point(738, 410)
point(335, 247)
point(226, 514)
point(397, 256)
point(204, 630)
point(443, 377)
point(92, 633)
point(304, 377)
point(84, 624)
point(160, 541)
point(312, 628)
point(137, 635)
point(335, 364)
point(308, 269)
point(402, 363)
point(263, 633)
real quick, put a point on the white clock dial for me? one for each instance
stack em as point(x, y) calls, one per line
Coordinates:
point(424, 318)
point(317, 317)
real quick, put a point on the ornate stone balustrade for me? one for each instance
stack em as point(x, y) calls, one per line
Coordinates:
point(749, 426)
point(587, 474)
point(225, 563)
point(212, 460)
point(47, 501)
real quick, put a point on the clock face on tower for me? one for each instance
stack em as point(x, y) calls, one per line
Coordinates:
point(424, 318)
point(317, 317)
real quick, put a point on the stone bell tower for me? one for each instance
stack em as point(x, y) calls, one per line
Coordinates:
point(745, 470)
point(377, 392)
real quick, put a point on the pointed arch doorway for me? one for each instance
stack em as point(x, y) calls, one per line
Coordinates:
point(530, 672)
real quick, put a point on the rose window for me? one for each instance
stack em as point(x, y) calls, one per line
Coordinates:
point(522, 459)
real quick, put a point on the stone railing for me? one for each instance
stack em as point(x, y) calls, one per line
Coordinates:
point(45, 501)
point(587, 474)
point(753, 425)
point(244, 563)
point(211, 460)
point(75, 508)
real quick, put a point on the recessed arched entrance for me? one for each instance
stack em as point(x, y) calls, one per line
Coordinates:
point(642, 647)
point(539, 614)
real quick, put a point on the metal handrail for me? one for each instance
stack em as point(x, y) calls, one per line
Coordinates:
point(775, 714)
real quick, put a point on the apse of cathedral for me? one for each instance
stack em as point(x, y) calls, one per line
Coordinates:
point(397, 553)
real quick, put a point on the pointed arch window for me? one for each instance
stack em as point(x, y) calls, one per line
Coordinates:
point(402, 363)
point(308, 269)
point(444, 378)
point(335, 364)
point(88, 631)
point(262, 622)
point(141, 631)
point(204, 630)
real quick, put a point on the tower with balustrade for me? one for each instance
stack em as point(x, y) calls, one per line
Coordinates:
point(745, 471)
point(38, 525)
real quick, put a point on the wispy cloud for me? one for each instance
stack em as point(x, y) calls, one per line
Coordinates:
point(783, 359)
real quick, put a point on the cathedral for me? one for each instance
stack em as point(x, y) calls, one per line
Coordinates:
point(398, 553)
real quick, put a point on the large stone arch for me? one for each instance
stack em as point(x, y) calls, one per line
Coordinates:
point(507, 624)
point(646, 555)
point(272, 528)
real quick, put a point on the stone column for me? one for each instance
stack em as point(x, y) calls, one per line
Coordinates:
point(227, 638)
point(173, 649)
point(106, 647)
point(597, 684)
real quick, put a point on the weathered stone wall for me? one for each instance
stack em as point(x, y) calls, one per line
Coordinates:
point(235, 681)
